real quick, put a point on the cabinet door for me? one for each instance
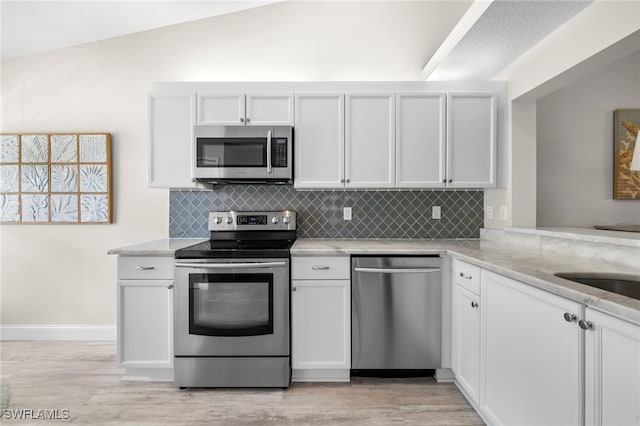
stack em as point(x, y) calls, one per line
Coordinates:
point(420, 140)
point(145, 323)
point(319, 140)
point(269, 110)
point(612, 393)
point(171, 120)
point(532, 355)
point(370, 140)
point(466, 341)
point(471, 140)
point(321, 324)
point(221, 109)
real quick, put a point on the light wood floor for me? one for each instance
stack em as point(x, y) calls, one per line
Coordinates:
point(83, 378)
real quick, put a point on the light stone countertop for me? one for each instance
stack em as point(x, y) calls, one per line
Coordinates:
point(530, 266)
point(163, 247)
point(631, 239)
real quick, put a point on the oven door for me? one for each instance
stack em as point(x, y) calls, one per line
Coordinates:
point(231, 307)
point(250, 153)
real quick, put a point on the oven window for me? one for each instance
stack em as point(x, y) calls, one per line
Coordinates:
point(231, 304)
point(231, 152)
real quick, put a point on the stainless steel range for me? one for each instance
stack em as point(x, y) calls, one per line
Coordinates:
point(231, 303)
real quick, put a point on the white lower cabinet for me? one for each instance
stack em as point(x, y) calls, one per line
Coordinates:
point(530, 372)
point(465, 328)
point(612, 379)
point(145, 317)
point(320, 319)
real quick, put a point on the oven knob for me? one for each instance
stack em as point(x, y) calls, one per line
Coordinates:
point(286, 220)
point(275, 220)
point(217, 220)
point(229, 220)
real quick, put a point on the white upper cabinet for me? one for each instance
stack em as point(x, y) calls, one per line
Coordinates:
point(269, 109)
point(319, 140)
point(171, 120)
point(420, 140)
point(471, 140)
point(222, 109)
point(612, 379)
point(370, 140)
point(239, 109)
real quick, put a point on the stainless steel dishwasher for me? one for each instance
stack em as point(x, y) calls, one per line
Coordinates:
point(396, 313)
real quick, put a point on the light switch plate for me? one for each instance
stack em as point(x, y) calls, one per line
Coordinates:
point(489, 212)
point(503, 212)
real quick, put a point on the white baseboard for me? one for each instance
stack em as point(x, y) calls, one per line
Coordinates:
point(58, 332)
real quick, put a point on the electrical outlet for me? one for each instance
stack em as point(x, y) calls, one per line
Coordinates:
point(346, 213)
point(436, 212)
point(503, 212)
point(489, 212)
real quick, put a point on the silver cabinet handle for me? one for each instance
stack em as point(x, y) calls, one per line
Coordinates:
point(294, 289)
point(465, 276)
point(170, 286)
point(348, 180)
point(247, 119)
point(241, 120)
point(396, 270)
point(320, 268)
point(268, 150)
point(230, 265)
point(145, 268)
point(568, 317)
point(474, 304)
point(585, 325)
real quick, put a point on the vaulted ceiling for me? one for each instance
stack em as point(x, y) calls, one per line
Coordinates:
point(471, 41)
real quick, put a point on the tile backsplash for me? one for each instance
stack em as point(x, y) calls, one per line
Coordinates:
point(376, 213)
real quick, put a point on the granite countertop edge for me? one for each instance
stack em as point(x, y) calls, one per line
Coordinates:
point(160, 247)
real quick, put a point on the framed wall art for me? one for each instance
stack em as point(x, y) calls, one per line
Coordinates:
point(626, 126)
point(55, 178)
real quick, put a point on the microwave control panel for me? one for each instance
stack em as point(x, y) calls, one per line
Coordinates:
point(279, 152)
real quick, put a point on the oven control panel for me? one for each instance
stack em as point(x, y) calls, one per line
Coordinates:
point(258, 221)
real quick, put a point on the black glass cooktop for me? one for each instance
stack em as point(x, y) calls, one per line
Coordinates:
point(236, 248)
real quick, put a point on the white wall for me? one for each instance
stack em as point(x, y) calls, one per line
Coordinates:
point(575, 148)
point(600, 34)
point(61, 274)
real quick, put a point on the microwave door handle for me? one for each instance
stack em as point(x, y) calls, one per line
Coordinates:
point(268, 151)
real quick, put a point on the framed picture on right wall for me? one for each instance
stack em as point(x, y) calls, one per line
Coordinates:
point(626, 177)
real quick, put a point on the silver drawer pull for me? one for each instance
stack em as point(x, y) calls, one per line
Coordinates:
point(320, 268)
point(145, 268)
point(468, 277)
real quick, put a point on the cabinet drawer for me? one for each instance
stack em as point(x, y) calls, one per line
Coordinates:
point(321, 268)
point(467, 276)
point(145, 267)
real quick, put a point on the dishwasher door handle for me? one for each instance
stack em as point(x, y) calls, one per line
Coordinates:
point(396, 270)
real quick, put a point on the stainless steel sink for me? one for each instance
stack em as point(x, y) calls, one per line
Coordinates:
point(626, 285)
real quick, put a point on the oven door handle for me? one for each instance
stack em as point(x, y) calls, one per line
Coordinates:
point(231, 265)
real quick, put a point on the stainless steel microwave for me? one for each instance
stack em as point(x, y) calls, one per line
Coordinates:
point(243, 154)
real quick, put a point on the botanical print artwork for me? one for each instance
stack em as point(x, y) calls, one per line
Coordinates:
point(8, 178)
point(93, 178)
point(64, 148)
point(64, 178)
point(35, 178)
point(93, 148)
point(94, 208)
point(9, 208)
point(64, 208)
point(626, 183)
point(35, 148)
point(35, 208)
point(9, 149)
point(55, 178)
